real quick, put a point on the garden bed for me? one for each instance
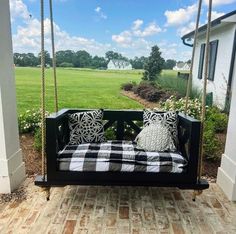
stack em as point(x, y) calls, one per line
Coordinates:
point(31, 157)
point(210, 167)
point(140, 100)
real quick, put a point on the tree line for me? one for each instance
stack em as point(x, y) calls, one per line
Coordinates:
point(82, 59)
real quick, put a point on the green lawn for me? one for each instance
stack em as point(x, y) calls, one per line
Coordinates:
point(77, 88)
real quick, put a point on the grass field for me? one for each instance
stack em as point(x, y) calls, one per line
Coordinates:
point(76, 88)
point(85, 88)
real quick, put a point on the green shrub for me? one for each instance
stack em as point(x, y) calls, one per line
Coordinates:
point(65, 64)
point(153, 95)
point(148, 90)
point(29, 121)
point(172, 82)
point(211, 144)
point(38, 139)
point(219, 119)
point(128, 86)
point(216, 122)
point(142, 86)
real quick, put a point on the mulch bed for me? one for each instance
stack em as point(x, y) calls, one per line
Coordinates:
point(31, 157)
point(142, 101)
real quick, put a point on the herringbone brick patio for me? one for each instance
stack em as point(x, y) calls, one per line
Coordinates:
point(120, 210)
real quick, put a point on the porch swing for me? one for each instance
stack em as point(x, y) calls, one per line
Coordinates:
point(55, 136)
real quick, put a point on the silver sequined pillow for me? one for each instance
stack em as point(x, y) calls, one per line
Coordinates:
point(86, 127)
point(168, 119)
point(155, 137)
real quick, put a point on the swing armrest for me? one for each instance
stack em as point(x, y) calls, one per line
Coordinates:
point(189, 140)
point(57, 136)
point(58, 116)
point(57, 129)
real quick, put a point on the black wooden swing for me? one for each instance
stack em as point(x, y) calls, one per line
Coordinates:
point(55, 136)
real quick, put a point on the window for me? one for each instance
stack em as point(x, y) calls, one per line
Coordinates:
point(212, 60)
point(201, 60)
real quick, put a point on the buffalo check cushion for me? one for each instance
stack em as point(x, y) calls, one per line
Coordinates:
point(123, 156)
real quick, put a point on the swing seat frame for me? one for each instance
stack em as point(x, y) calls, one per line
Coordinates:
point(57, 138)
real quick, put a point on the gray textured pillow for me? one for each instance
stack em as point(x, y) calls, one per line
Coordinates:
point(168, 119)
point(155, 137)
point(86, 127)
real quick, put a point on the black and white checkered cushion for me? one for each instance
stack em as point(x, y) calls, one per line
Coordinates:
point(122, 156)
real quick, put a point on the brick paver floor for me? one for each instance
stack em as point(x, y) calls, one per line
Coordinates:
point(92, 209)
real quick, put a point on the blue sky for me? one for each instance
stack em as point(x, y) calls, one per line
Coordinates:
point(130, 27)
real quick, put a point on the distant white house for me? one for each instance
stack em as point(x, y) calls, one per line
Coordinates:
point(46, 65)
point(118, 64)
point(222, 64)
point(181, 66)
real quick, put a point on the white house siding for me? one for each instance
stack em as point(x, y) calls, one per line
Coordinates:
point(225, 35)
point(122, 66)
point(185, 67)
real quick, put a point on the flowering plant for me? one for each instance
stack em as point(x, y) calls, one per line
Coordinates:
point(172, 104)
point(30, 121)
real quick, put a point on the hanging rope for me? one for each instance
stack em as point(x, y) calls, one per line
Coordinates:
point(43, 124)
point(189, 84)
point(53, 58)
point(206, 71)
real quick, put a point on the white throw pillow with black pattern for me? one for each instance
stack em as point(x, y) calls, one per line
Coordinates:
point(86, 127)
point(155, 137)
point(168, 119)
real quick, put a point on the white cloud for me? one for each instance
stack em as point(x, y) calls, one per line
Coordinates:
point(28, 36)
point(132, 42)
point(27, 39)
point(215, 14)
point(150, 30)
point(137, 24)
point(180, 16)
point(18, 10)
point(191, 25)
point(100, 13)
point(219, 2)
point(134, 35)
point(98, 9)
point(186, 28)
point(185, 55)
point(124, 38)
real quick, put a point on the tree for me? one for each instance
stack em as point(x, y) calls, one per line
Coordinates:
point(46, 56)
point(25, 60)
point(111, 55)
point(154, 65)
point(114, 55)
point(65, 56)
point(138, 63)
point(169, 64)
point(82, 59)
point(99, 62)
